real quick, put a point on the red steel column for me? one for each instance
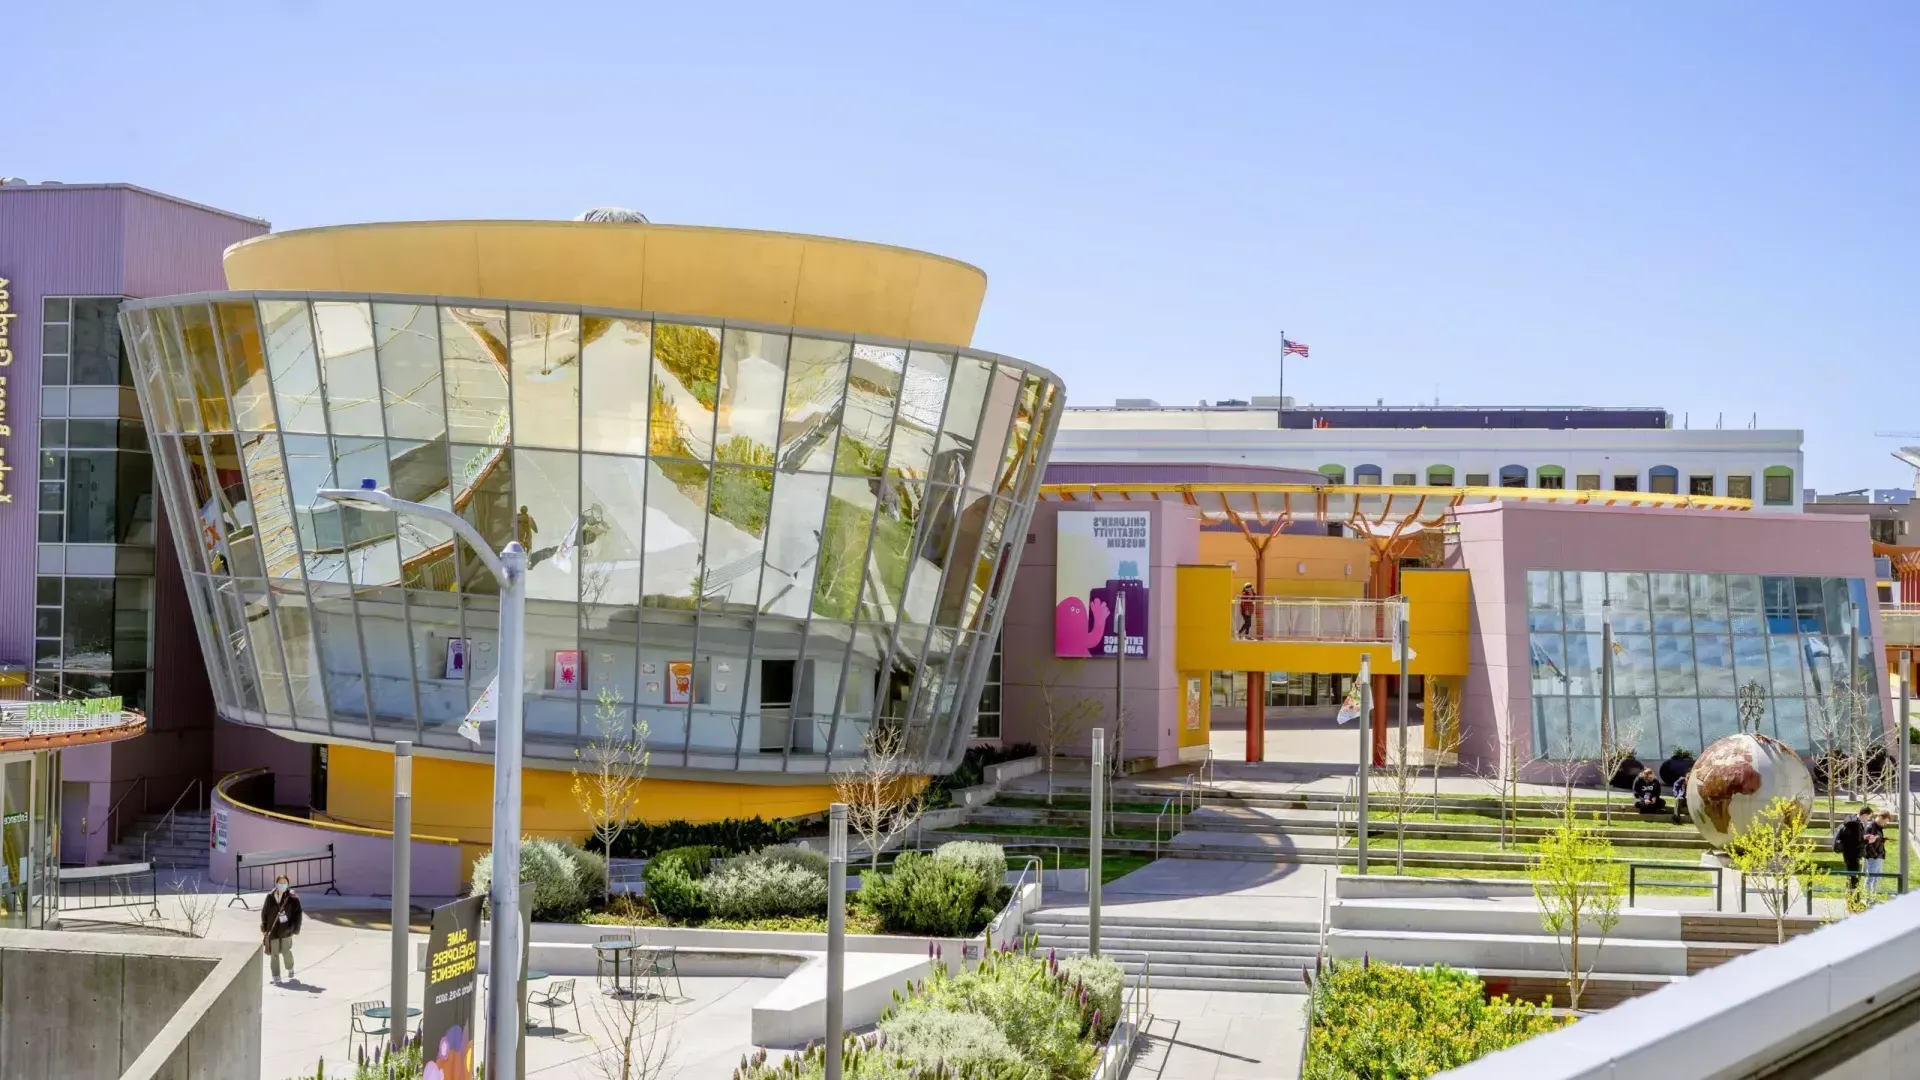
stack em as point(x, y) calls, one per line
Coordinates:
point(1256, 716)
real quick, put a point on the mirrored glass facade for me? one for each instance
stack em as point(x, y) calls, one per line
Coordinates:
point(758, 541)
point(1683, 646)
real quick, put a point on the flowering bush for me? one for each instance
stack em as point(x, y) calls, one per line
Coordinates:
point(1104, 983)
point(1409, 1023)
point(955, 1040)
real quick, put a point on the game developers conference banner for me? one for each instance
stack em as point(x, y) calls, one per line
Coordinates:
point(453, 961)
point(1103, 554)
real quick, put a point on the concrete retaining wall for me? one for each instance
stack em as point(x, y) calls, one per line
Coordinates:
point(97, 1005)
point(1386, 887)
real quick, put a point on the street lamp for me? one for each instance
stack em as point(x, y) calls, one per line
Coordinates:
point(509, 568)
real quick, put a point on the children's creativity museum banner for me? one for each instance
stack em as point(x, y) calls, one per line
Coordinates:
point(1103, 556)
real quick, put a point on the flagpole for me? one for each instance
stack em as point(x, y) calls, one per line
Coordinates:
point(1281, 413)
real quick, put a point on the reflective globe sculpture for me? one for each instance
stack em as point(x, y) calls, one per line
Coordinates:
point(1739, 776)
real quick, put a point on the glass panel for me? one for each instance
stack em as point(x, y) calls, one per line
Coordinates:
point(1708, 594)
point(421, 472)
point(1583, 663)
point(1670, 612)
point(173, 367)
point(272, 505)
point(549, 521)
point(873, 391)
point(338, 642)
point(264, 646)
point(996, 424)
point(686, 372)
point(91, 487)
point(1028, 469)
point(721, 678)
point(203, 366)
point(1583, 717)
point(233, 632)
point(1020, 445)
point(894, 534)
point(54, 309)
point(246, 365)
point(553, 668)
point(993, 553)
point(546, 378)
point(290, 366)
point(793, 550)
point(368, 537)
point(1745, 604)
point(1547, 658)
point(1714, 653)
point(1673, 663)
point(1553, 740)
point(474, 348)
point(843, 549)
point(1543, 600)
point(613, 378)
point(676, 494)
point(1719, 718)
point(483, 494)
point(443, 689)
point(1789, 723)
point(612, 528)
point(1810, 605)
point(1777, 595)
point(228, 516)
point(96, 342)
point(1633, 671)
point(1783, 654)
point(1680, 722)
point(1627, 594)
point(1750, 660)
point(966, 400)
point(815, 394)
point(407, 342)
point(738, 504)
point(1637, 715)
point(310, 468)
point(383, 631)
point(1585, 598)
point(752, 375)
point(87, 644)
point(922, 397)
point(302, 654)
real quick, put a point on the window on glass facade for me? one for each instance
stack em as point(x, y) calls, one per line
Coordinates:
point(80, 341)
point(1685, 646)
point(986, 722)
point(1740, 487)
point(1779, 486)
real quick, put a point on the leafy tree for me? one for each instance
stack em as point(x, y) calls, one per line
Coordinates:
point(1579, 887)
point(1774, 851)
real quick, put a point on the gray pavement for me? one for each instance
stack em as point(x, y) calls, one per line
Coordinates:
point(1213, 889)
point(1211, 1035)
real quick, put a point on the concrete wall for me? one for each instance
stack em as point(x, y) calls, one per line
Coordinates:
point(1500, 542)
point(95, 1005)
point(1152, 684)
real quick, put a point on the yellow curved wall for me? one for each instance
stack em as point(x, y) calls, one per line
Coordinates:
point(455, 798)
point(784, 278)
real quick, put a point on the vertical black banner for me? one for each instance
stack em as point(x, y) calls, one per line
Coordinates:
point(453, 964)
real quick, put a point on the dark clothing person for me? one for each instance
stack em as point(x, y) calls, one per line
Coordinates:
point(1246, 611)
point(1646, 793)
point(1850, 840)
point(1680, 800)
point(279, 922)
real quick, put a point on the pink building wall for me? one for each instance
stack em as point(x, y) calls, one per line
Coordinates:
point(1152, 684)
point(1500, 542)
point(363, 861)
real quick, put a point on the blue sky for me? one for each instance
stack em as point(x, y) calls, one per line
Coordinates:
point(1705, 206)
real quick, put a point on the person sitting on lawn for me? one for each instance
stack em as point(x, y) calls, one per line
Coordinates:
point(1646, 793)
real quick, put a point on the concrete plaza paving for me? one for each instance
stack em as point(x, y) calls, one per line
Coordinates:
point(1211, 1035)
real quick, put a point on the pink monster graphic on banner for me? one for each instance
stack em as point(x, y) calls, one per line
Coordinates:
point(1074, 634)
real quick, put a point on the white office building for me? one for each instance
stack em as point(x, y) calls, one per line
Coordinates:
point(1556, 448)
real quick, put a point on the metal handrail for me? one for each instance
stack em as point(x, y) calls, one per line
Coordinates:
point(1293, 618)
point(170, 818)
point(113, 811)
point(1717, 888)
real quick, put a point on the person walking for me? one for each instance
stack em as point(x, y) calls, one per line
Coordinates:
point(1850, 840)
point(1246, 610)
point(1874, 853)
point(279, 922)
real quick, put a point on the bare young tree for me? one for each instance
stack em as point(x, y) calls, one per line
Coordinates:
point(1062, 718)
point(196, 908)
point(638, 1042)
point(1401, 773)
point(1446, 725)
point(1502, 776)
point(612, 763)
point(1618, 738)
point(882, 793)
point(1848, 741)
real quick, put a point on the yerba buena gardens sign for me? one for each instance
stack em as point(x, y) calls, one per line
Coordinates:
point(86, 709)
point(7, 315)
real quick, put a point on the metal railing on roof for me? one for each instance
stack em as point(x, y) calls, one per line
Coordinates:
point(1292, 618)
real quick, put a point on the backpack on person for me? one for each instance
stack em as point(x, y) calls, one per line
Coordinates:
point(1839, 831)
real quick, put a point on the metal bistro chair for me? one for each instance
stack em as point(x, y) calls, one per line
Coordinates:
point(558, 995)
point(613, 959)
point(358, 1026)
point(654, 963)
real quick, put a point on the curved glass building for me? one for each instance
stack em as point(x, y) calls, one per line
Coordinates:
point(750, 542)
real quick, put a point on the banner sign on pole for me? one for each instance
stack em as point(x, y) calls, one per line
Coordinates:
point(1102, 553)
point(453, 965)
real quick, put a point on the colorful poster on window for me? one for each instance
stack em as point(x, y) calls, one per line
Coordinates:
point(453, 964)
point(679, 682)
point(456, 658)
point(1193, 703)
point(1103, 556)
point(566, 669)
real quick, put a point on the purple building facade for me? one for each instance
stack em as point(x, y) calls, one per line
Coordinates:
point(91, 601)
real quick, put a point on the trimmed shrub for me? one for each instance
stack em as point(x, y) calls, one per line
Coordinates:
point(592, 869)
point(1386, 1020)
point(756, 887)
point(930, 896)
point(989, 859)
point(730, 837)
point(673, 883)
point(557, 888)
point(1042, 1015)
point(959, 1041)
point(813, 862)
point(1103, 981)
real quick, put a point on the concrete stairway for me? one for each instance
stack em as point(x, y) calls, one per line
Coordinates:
point(1192, 954)
point(179, 844)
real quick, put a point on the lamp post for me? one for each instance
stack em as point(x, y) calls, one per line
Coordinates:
point(402, 883)
point(509, 569)
point(1906, 775)
point(1366, 759)
point(836, 936)
point(1096, 802)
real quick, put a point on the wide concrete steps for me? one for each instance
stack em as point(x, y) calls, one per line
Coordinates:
point(1530, 952)
point(1191, 954)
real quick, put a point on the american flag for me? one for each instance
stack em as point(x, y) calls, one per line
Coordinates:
point(1293, 348)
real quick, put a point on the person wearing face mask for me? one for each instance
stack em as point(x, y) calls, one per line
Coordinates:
point(279, 922)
